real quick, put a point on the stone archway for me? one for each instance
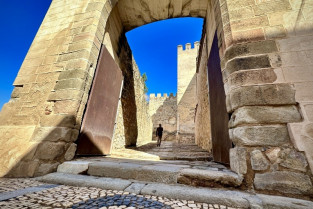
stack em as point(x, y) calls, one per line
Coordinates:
point(42, 120)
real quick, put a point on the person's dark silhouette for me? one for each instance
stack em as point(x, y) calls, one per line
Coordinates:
point(159, 133)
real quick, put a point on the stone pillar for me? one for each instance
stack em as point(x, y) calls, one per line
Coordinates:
point(262, 87)
point(41, 121)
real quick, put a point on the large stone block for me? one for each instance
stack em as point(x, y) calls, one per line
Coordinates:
point(66, 94)
point(246, 63)
point(292, 159)
point(258, 161)
point(275, 135)
point(58, 121)
point(50, 150)
point(284, 181)
point(70, 84)
point(53, 134)
point(265, 115)
point(238, 162)
point(250, 48)
point(46, 168)
point(272, 94)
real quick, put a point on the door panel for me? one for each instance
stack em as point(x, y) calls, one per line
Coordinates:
point(219, 117)
point(100, 116)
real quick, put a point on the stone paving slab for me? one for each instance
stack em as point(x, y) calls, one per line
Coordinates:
point(92, 198)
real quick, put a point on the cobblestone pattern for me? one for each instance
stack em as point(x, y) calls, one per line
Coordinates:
point(92, 198)
point(8, 185)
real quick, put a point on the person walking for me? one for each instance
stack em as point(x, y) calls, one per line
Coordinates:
point(159, 133)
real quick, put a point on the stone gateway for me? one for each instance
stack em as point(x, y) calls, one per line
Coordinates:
point(266, 65)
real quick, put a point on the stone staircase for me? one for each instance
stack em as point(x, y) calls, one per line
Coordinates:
point(194, 173)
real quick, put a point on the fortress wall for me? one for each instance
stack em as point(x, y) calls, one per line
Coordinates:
point(186, 92)
point(163, 110)
point(203, 122)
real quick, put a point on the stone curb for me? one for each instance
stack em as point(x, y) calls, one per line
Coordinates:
point(203, 195)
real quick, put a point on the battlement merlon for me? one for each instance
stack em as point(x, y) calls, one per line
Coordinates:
point(154, 96)
point(188, 47)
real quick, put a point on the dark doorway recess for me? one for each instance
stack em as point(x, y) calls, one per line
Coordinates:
point(100, 116)
point(219, 117)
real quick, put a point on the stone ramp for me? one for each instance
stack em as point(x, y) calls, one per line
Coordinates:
point(169, 150)
point(232, 199)
point(209, 174)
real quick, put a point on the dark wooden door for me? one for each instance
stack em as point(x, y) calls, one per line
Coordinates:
point(219, 117)
point(100, 115)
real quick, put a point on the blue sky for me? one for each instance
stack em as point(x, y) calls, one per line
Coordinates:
point(154, 45)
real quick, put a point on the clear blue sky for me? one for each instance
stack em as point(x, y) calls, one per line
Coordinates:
point(154, 46)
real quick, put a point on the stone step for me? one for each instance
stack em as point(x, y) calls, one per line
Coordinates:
point(231, 199)
point(204, 174)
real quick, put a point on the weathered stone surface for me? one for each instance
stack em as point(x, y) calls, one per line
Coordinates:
point(275, 135)
point(58, 121)
point(252, 48)
point(46, 168)
point(264, 115)
point(238, 162)
point(284, 181)
point(228, 198)
point(50, 150)
point(258, 161)
point(279, 202)
point(271, 94)
point(309, 130)
point(74, 167)
point(53, 134)
point(272, 154)
point(70, 152)
point(22, 169)
point(135, 188)
point(88, 181)
point(161, 174)
point(114, 170)
point(246, 63)
point(220, 177)
point(290, 158)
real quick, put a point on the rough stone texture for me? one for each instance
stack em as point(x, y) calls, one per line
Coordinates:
point(273, 154)
point(264, 115)
point(71, 39)
point(203, 120)
point(70, 152)
point(73, 167)
point(260, 135)
point(238, 162)
point(284, 181)
point(278, 94)
point(258, 161)
point(292, 159)
point(210, 176)
point(163, 110)
point(186, 92)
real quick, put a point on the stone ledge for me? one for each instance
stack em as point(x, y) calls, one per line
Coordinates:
point(197, 176)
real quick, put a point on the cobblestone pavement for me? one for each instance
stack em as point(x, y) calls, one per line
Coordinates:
point(88, 198)
point(169, 150)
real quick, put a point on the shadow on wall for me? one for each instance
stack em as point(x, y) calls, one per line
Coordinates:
point(40, 153)
point(166, 115)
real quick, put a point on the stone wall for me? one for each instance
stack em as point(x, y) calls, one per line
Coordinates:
point(186, 92)
point(163, 110)
point(202, 124)
point(264, 65)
